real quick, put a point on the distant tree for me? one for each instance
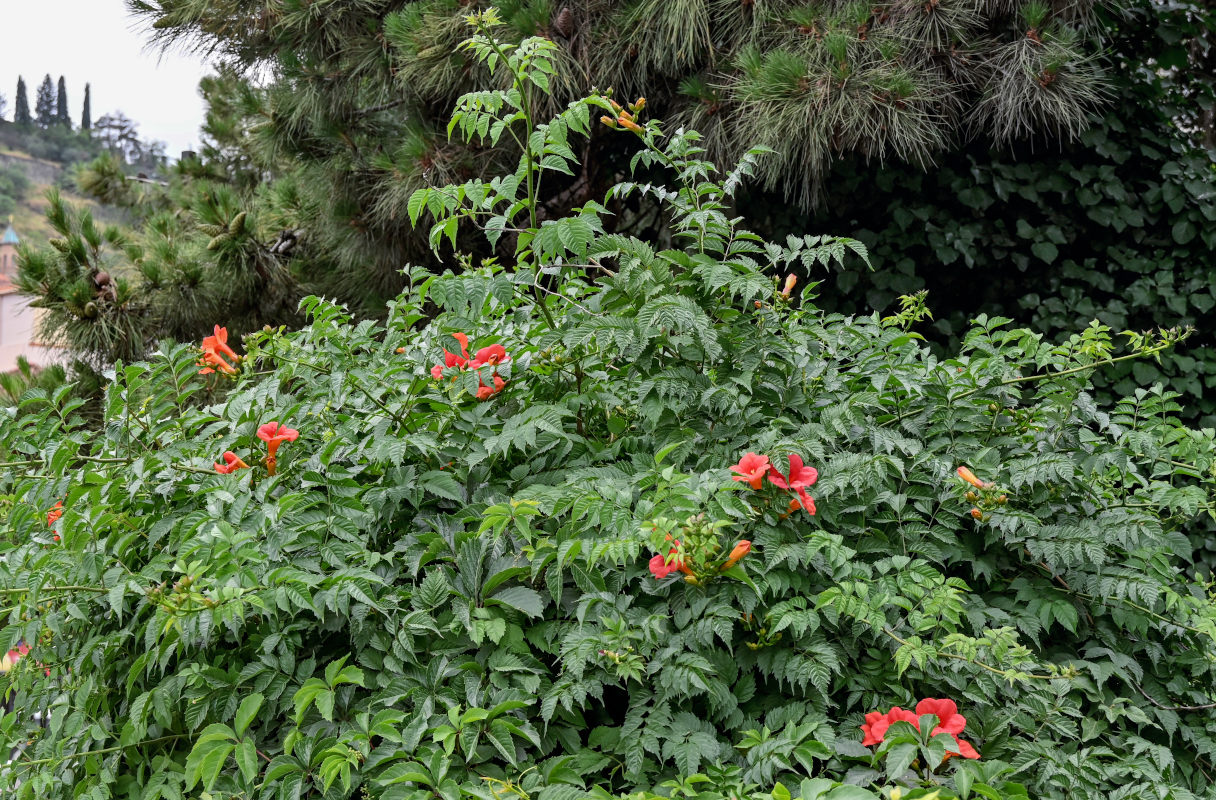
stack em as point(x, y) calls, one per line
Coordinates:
point(120, 135)
point(61, 105)
point(13, 188)
point(21, 113)
point(3, 105)
point(86, 118)
point(44, 105)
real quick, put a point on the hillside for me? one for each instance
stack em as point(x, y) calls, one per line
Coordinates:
point(29, 217)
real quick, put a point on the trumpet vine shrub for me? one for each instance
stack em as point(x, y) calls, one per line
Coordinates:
point(584, 560)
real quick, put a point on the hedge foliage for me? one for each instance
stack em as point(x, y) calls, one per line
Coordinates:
point(1117, 226)
point(442, 580)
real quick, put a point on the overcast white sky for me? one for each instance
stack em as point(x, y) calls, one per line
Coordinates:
point(98, 42)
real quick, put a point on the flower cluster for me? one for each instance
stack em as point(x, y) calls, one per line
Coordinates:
point(625, 119)
point(986, 498)
point(214, 349)
point(273, 434)
point(490, 356)
point(753, 469)
point(53, 516)
point(696, 554)
point(948, 721)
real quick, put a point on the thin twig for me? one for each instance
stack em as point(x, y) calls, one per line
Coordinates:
point(363, 112)
point(1171, 708)
point(1003, 673)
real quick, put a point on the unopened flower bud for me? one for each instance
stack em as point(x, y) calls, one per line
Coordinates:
point(970, 478)
point(741, 549)
point(633, 126)
point(975, 512)
point(790, 281)
point(609, 121)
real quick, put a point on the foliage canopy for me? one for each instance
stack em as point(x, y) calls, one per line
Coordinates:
point(439, 587)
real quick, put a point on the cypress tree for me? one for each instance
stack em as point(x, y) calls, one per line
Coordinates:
point(44, 103)
point(21, 111)
point(61, 104)
point(86, 117)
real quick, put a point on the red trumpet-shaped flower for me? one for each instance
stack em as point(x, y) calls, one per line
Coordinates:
point(492, 356)
point(800, 476)
point(274, 435)
point(486, 392)
point(876, 724)
point(211, 361)
point(662, 566)
point(232, 463)
point(450, 359)
point(54, 514)
point(214, 348)
point(751, 469)
point(218, 341)
point(949, 721)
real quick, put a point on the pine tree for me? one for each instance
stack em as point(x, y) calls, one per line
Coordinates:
point(354, 118)
point(21, 111)
point(86, 116)
point(363, 123)
point(61, 104)
point(44, 104)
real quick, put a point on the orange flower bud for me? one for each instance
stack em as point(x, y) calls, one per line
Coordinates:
point(625, 116)
point(615, 105)
point(759, 304)
point(633, 126)
point(970, 478)
point(638, 105)
point(790, 280)
point(609, 121)
point(741, 549)
point(400, 350)
point(975, 512)
point(690, 578)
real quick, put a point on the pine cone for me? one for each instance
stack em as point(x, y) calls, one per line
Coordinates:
point(564, 23)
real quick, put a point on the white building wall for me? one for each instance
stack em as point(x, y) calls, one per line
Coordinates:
point(18, 327)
